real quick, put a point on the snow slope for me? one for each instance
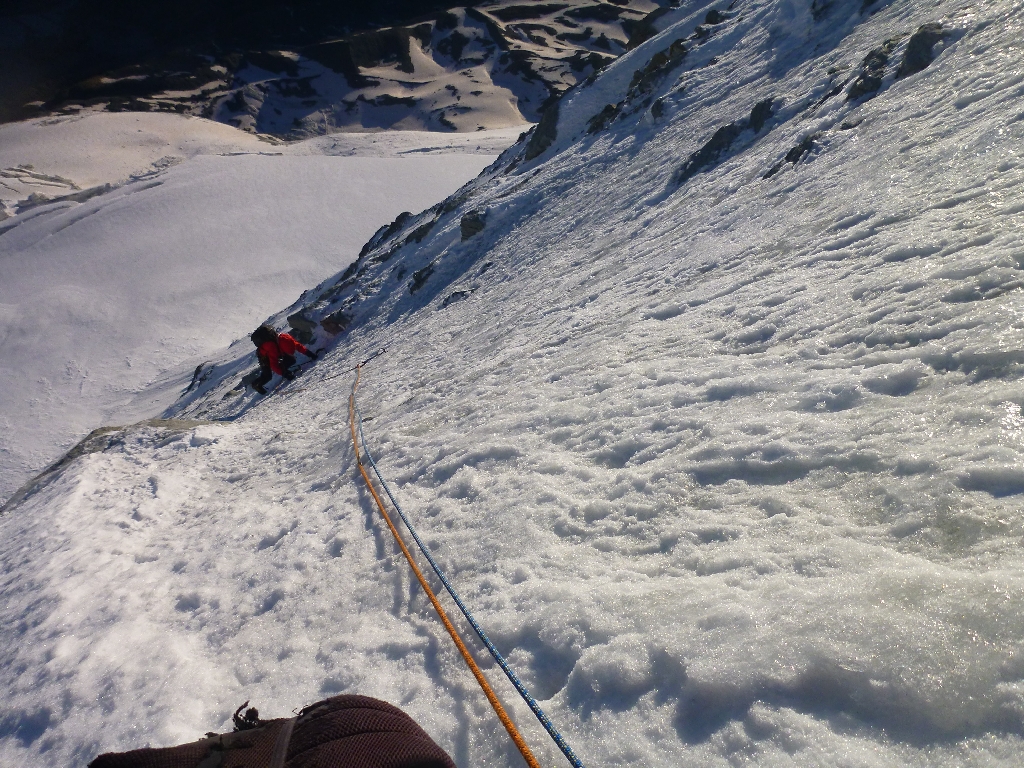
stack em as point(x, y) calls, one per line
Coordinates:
point(106, 291)
point(720, 437)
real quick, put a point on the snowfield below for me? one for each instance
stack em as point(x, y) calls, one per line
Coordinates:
point(721, 438)
point(105, 294)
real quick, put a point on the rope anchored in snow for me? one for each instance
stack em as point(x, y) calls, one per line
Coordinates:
point(477, 673)
point(509, 672)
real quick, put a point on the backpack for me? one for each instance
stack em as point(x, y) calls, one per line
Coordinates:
point(262, 335)
point(340, 732)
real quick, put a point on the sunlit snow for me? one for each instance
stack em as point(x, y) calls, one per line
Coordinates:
point(730, 469)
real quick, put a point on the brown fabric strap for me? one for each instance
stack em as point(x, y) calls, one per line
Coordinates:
point(284, 737)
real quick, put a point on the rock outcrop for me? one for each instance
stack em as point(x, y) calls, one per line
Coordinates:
point(722, 140)
point(473, 223)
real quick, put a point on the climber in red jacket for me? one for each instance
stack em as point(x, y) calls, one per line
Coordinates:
point(276, 353)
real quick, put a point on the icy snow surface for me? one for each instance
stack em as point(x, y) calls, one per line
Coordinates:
point(213, 231)
point(730, 469)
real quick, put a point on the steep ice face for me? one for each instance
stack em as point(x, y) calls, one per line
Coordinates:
point(721, 438)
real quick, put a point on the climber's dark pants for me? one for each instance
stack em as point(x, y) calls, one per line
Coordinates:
point(286, 362)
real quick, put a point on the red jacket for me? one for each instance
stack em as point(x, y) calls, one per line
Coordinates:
point(271, 351)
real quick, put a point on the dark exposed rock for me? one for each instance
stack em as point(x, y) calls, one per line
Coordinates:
point(603, 42)
point(545, 28)
point(919, 50)
point(643, 30)
point(387, 100)
point(453, 45)
point(872, 70)
point(299, 87)
point(760, 114)
point(273, 61)
point(595, 13)
point(583, 59)
point(447, 20)
point(304, 337)
point(722, 141)
point(794, 155)
point(421, 231)
point(708, 154)
point(835, 91)
point(336, 322)
point(337, 56)
point(453, 202)
point(576, 37)
point(451, 298)
point(75, 197)
point(383, 234)
point(497, 36)
point(658, 108)
point(237, 101)
point(386, 255)
point(473, 223)
point(604, 118)
point(545, 133)
point(198, 376)
point(349, 272)
point(715, 16)
point(521, 12)
point(248, 379)
point(801, 149)
point(519, 63)
point(300, 322)
point(302, 328)
point(645, 78)
point(371, 49)
point(419, 277)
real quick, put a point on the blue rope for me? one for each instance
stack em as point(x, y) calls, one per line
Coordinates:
point(509, 673)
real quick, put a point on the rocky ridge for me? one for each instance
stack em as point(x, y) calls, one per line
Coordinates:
point(467, 68)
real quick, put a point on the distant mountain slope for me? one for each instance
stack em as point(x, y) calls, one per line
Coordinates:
point(490, 66)
point(49, 47)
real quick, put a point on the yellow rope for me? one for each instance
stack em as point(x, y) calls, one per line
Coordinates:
point(477, 673)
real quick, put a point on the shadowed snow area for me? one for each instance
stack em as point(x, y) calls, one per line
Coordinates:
point(105, 290)
point(707, 397)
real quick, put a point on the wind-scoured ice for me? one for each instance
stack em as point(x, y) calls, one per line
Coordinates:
point(729, 469)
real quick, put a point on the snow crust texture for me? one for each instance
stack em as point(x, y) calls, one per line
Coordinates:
point(711, 409)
